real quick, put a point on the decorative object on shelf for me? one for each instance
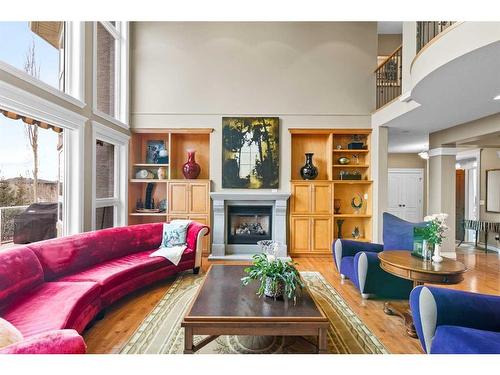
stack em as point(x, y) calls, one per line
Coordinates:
point(250, 152)
point(339, 147)
point(309, 171)
point(356, 158)
point(139, 204)
point(343, 160)
point(148, 210)
point(163, 156)
point(163, 205)
point(191, 169)
point(336, 205)
point(357, 203)
point(339, 228)
point(149, 200)
point(355, 233)
point(162, 173)
point(434, 233)
point(356, 144)
point(354, 175)
point(153, 151)
point(278, 277)
point(144, 174)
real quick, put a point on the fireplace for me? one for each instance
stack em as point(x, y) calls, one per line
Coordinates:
point(249, 224)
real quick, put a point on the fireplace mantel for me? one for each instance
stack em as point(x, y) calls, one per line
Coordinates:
point(221, 200)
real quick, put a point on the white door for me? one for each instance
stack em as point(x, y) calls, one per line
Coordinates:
point(406, 194)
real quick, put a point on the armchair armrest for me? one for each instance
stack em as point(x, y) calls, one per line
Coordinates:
point(343, 248)
point(66, 341)
point(196, 232)
point(432, 307)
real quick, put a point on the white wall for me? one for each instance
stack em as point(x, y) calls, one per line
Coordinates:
point(308, 74)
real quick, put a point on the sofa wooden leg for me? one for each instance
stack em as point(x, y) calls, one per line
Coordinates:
point(196, 270)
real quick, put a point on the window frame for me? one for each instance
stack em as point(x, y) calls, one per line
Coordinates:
point(119, 200)
point(120, 33)
point(73, 68)
point(24, 103)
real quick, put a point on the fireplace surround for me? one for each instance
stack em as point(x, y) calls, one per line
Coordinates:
point(242, 219)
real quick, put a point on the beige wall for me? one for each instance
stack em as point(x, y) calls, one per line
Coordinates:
point(410, 161)
point(86, 111)
point(387, 43)
point(308, 74)
point(489, 160)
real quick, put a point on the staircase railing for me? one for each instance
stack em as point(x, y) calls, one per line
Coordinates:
point(428, 30)
point(388, 78)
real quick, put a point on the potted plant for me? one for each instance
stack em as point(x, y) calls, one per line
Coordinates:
point(434, 233)
point(277, 277)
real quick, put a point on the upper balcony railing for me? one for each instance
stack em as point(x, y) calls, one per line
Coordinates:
point(388, 78)
point(428, 30)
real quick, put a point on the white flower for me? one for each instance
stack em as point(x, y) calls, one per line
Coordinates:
point(271, 258)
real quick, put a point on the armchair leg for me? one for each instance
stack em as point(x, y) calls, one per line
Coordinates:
point(196, 270)
point(366, 295)
point(343, 277)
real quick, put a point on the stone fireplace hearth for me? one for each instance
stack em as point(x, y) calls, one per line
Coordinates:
point(242, 219)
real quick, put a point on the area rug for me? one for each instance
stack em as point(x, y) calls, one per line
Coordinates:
point(161, 331)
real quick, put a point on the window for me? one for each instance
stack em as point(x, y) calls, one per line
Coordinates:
point(110, 70)
point(46, 54)
point(110, 153)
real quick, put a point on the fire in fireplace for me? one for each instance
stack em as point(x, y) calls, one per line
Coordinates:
point(249, 224)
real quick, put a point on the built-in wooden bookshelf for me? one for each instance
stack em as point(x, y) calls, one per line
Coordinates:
point(186, 198)
point(313, 221)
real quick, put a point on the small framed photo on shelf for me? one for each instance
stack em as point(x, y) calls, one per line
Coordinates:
point(156, 153)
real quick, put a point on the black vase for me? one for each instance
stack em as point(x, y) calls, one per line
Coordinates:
point(309, 171)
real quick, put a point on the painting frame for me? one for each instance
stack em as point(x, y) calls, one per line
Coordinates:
point(250, 152)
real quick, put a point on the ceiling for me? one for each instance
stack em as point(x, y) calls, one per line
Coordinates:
point(458, 92)
point(390, 27)
point(406, 141)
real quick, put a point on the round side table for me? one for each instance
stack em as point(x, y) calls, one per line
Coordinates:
point(402, 264)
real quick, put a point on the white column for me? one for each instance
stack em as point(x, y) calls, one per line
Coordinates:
point(218, 228)
point(379, 152)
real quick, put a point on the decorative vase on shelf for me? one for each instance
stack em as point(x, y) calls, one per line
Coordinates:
point(339, 228)
point(343, 160)
point(191, 169)
point(355, 233)
point(309, 171)
point(437, 258)
point(162, 173)
point(336, 206)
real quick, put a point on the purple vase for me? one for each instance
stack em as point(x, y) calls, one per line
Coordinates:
point(191, 169)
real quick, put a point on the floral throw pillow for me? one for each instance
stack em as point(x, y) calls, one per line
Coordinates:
point(174, 234)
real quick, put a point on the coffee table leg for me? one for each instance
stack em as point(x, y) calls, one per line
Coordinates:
point(402, 309)
point(188, 340)
point(322, 345)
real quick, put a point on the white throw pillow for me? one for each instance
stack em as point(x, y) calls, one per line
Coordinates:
point(174, 234)
point(9, 334)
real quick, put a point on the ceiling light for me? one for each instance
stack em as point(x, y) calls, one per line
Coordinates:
point(424, 155)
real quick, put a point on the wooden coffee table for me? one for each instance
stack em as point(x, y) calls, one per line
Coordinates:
point(401, 263)
point(223, 306)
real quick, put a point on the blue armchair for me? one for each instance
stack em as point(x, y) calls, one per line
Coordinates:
point(359, 262)
point(455, 322)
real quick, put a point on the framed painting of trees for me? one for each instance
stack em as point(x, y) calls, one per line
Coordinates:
point(250, 152)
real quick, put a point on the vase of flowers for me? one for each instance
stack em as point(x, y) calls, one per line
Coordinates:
point(277, 277)
point(434, 233)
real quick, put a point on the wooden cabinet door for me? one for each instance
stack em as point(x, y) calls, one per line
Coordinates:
point(300, 234)
point(321, 198)
point(198, 198)
point(178, 194)
point(301, 198)
point(321, 234)
point(206, 239)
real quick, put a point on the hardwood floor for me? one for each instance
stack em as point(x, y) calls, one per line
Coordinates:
point(483, 276)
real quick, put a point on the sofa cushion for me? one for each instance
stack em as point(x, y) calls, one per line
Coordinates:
point(464, 340)
point(20, 271)
point(50, 306)
point(115, 272)
point(69, 255)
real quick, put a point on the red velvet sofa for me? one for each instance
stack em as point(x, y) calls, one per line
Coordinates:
point(51, 287)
